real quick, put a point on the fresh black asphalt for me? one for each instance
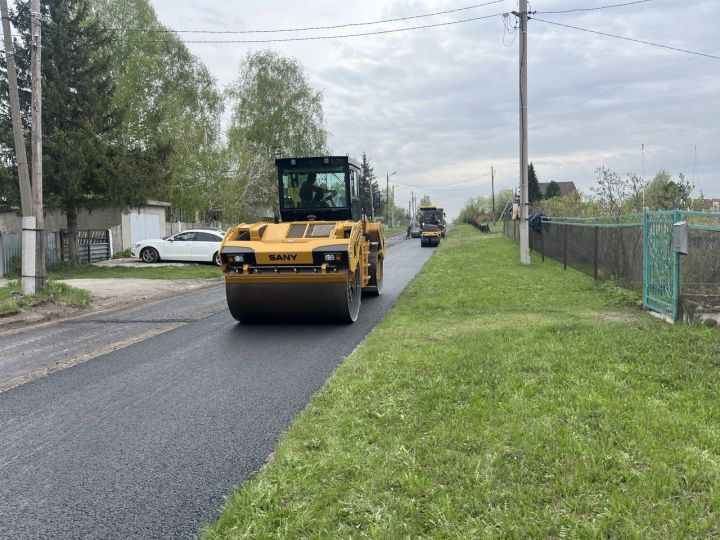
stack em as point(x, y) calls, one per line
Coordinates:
point(145, 441)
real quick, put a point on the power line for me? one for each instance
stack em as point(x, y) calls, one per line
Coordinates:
point(628, 39)
point(431, 186)
point(305, 29)
point(619, 86)
point(592, 8)
point(315, 38)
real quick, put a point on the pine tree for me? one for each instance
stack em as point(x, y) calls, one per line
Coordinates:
point(367, 182)
point(84, 165)
point(534, 194)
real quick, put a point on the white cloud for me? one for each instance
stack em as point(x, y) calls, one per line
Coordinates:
point(440, 105)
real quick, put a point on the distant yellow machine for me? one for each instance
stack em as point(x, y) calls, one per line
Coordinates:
point(314, 262)
point(432, 225)
point(430, 236)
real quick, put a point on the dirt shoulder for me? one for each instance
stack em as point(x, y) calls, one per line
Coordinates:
point(107, 294)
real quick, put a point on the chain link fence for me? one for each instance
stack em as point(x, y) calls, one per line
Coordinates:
point(612, 247)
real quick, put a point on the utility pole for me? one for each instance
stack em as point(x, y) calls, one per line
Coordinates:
point(392, 209)
point(387, 196)
point(37, 183)
point(26, 198)
point(492, 180)
point(642, 148)
point(524, 204)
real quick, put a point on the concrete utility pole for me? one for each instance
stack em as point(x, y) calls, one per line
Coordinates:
point(387, 194)
point(524, 204)
point(26, 198)
point(392, 209)
point(37, 183)
point(492, 180)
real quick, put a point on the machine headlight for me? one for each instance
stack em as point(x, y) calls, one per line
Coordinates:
point(236, 258)
point(333, 257)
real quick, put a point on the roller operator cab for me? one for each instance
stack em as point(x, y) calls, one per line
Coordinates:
point(315, 261)
point(432, 225)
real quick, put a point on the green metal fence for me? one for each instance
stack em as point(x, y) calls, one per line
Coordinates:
point(661, 265)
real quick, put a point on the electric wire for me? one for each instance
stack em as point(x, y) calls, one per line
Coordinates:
point(431, 186)
point(308, 28)
point(574, 10)
point(660, 45)
point(316, 38)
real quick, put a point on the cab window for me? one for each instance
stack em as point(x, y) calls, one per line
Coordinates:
point(310, 189)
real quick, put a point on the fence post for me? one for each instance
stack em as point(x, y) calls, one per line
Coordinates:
point(542, 242)
point(565, 228)
point(595, 253)
point(677, 216)
point(2, 257)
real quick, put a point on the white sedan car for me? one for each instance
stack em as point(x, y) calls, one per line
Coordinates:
point(200, 245)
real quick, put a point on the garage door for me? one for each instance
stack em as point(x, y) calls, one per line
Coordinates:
point(144, 226)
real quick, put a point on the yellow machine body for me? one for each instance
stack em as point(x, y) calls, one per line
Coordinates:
point(302, 270)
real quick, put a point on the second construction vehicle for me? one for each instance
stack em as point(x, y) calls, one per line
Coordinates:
point(432, 225)
point(317, 259)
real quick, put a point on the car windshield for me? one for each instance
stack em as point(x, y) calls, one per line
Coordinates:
point(313, 189)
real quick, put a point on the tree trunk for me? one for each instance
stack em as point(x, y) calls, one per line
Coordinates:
point(73, 250)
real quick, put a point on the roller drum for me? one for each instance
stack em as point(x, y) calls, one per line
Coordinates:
point(288, 301)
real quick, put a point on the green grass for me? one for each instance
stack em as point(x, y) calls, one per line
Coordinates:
point(12, 301)
point(389, 231)
point(496, 400)
point(150, 272)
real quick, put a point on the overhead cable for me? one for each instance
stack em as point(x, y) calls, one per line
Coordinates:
point(431, 186)
point(574, 10)
point(316, 38)
point(308, 28)
point(660, 45)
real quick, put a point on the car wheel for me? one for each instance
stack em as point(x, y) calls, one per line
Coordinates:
point(150, 255)
point(216, 258)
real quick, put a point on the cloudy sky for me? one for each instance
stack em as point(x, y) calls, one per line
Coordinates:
point(440, 105)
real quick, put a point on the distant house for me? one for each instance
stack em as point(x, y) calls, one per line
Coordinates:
point(706, 205)
point(565, 187)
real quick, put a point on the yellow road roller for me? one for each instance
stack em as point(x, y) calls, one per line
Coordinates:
point(319, 255)
point(431, 214)
point(430, 235)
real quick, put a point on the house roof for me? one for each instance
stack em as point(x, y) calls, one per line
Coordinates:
point(565, 187)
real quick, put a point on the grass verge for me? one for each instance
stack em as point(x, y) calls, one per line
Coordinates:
point(501, 401)
point(12, 301)
point(195, 270)
point(389, 231)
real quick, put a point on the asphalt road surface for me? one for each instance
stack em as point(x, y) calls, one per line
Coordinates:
point(163, 409)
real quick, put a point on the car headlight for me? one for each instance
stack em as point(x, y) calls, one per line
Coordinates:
point(136, 245)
